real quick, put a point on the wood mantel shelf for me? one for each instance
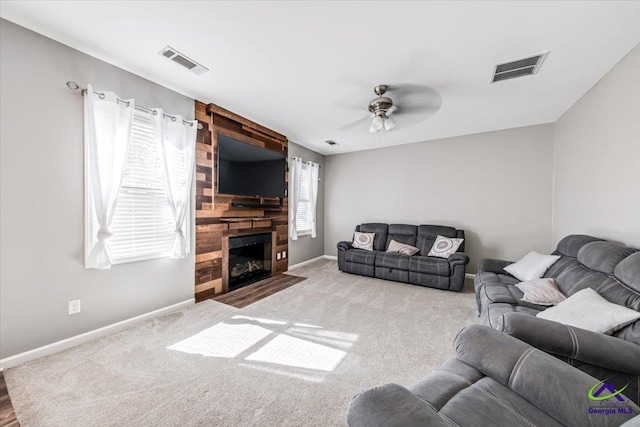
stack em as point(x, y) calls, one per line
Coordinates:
point(218, 216)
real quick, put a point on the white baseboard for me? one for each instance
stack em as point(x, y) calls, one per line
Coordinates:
point(303, 263)
point(469, 276)
point(19, 359)
point(309, 261)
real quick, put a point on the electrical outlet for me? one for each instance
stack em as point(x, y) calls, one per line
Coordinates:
point(74, 307)
point(278, 256)
point(284, 254)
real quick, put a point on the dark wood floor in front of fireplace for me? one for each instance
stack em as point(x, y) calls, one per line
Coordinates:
point(7, 415)
point(256, 291)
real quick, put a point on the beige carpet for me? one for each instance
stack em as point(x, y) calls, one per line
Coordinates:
point(293, 359)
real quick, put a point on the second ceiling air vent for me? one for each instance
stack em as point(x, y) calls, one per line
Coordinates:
point(518, 68)
point(177, 57)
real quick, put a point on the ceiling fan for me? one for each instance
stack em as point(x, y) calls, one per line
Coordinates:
point(411, 104)
point(381, 109)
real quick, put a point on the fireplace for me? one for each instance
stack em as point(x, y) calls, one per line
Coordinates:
point(249, 259)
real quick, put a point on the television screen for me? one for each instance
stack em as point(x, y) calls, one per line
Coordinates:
point(247, 170)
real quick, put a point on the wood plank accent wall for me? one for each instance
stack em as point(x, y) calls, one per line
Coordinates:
point(214, 211)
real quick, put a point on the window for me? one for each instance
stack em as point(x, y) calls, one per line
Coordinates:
point(143, 225)
point(303, 213)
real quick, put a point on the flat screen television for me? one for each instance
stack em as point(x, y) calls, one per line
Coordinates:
point(247, 170)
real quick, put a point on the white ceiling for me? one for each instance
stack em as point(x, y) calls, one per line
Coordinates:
point(304, 68)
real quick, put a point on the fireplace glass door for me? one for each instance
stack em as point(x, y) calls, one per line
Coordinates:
point(249, 259)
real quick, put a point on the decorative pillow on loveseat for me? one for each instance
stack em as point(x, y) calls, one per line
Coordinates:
point(363, 240)
point(532, 266)
point(444, 247)
point(541, 292)
point(402, 248)
point(586, 309)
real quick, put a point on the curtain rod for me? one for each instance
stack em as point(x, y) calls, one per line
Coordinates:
point(75, 86)
point(296, 157)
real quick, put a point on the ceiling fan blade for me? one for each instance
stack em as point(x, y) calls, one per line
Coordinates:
point(355, 124)
point(413, 109)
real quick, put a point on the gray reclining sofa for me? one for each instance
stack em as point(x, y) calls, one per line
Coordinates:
point(610, 269)
point(418, 269)
point(494, 380)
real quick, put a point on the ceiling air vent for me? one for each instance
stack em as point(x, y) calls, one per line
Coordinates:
point(518, 68)
point(331, 142)
point(191, 65)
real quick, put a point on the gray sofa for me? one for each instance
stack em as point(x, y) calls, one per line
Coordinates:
point(418, 269)
point(610, 269)
point(494, 380)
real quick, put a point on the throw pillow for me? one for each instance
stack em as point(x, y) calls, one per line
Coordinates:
point(402, 248)
point(363, 240)
point(444, 247)
point(586, 309)
point(532, 266)
point(541, 292)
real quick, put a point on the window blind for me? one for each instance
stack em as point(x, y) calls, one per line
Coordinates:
point(142, 225)
point(303, 213)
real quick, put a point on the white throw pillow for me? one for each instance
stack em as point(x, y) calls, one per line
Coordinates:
point(586, 309)
point(363, 240)
point(541, 292)
point(532, 266)
point(444, 247)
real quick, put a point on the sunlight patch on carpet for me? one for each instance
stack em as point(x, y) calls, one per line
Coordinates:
point(296, 352)
point(222, 340)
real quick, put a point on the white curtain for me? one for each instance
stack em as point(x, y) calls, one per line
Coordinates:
point(107, 129)
point(314, 169)
point(295, 173)
point(176, 139)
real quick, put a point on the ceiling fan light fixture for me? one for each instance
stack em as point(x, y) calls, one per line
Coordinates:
point(376, 124)
point(389, 124)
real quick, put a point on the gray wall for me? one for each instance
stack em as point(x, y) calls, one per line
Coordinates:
point(41, 206)
point(597, 159)
point(306, 248)
point(495, 185)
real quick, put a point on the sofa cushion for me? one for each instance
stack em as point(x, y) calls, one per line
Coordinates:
point(427, 234)
point(492, 314)
point(361, 256)
point(628, 271)
point(570, 245)
point(561, 265)
point(392, 260)
point(429, 265)
point(402, 233)
point(380, 240)
point(603, 256)
point(630, 333)
point(501, 293)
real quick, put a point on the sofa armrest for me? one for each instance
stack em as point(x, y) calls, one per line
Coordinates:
point(493, 265)
point(391, 405)
point(344, 246)
point(534, 375)
point(458, 258)
point(575, 343)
